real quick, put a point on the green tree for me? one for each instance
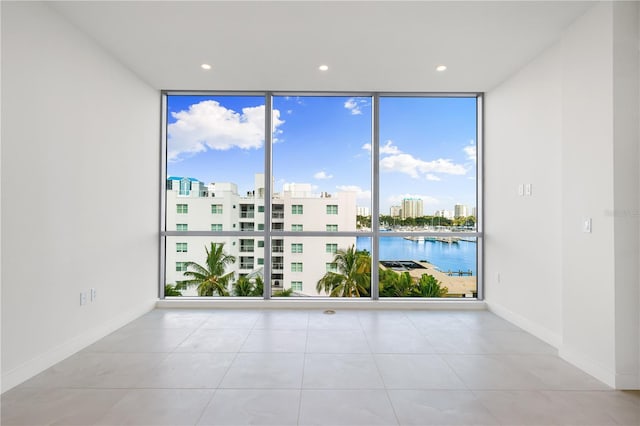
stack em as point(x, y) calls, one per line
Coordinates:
point(394, 284)
point(211, 279)
point(283, 293)
point(245, 286)
point(174, 290)
point(429, 286)
point(353, 276)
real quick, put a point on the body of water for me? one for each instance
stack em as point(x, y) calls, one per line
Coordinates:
point(454, 257)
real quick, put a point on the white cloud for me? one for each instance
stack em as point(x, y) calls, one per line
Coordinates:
point(322, 175)
point(352, 105)
point(415, 167)
point(426, 199)
point(209, 125)
point(387, 148)
point(432, 177)
point(470, 150)
point(355, 105)
point(361, 194)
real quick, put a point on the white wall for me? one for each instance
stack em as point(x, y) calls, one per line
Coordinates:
point(80, 174)
point(522, 247)
point(572, 116)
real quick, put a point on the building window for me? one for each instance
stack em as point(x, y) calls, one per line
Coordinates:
point(331, 267)
point(181, 266)
point(260, 243)
point(216, 208)
point(332, 209)
point(297, 228)
point(182, 208)
point(181, 247)
point(261, 261)
point(181, 227)
point(332, 228)
point(296, 248)
point(331, 248)
point(260, 209)
point(296, 266)
point(296, 285)
point(216, 227)
point(261, 227)
point(296, 209)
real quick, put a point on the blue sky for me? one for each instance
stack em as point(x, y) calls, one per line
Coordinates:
point(427, 145)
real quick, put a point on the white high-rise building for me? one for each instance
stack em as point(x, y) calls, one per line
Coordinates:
point(460, 210)
point(411, 207)
point(395, 211)
point(363, 211)
point(297, 262)
point(444, 213)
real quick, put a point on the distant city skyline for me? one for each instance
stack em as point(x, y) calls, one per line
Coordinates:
point(427, 147)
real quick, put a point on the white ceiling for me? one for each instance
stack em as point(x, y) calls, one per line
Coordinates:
point(369, 46)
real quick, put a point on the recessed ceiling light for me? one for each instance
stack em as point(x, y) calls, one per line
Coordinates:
point(205, 66)
point(323, 67)
point(441, 68)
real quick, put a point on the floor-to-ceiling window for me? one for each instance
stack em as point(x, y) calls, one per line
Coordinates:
point(367, 195)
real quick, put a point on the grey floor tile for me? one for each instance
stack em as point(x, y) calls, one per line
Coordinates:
point(268, 340)
point(538, 409)
point(556, 373)
point(37, 406)
point(435, 320)
point(516, 342)
point(384, 321)
point(282, 320)
point(398, 341)
point(341, 320)
point(457, 341)
point(341, 371)
point(230, 407)
point(171, 407)
point(491, 372)
point(265, 370)
point(346, 407)
point(232, 318)
point(337, 341)
point(98, 370)
point(442, 407)
point(167, 318)
point(188, 371)
point(416, 371)
point(141, 340)
point(215, 340)
point(622, 407)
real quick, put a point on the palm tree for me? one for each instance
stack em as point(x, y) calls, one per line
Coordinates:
point(429, 286)
point(353, 278)
point(246, 287)
point(211, 279)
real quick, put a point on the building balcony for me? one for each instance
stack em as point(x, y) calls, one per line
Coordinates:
point(247, 249)
point(277, 215)
point(277, 266)
point(246, 266)
point(277, 249)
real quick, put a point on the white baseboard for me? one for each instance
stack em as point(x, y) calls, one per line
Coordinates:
point(45, 360)
point(320, 303)
point(587, 365)
point(628, 381)
point(544, 334)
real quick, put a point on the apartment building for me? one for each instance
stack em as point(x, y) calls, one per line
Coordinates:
point(297, 262)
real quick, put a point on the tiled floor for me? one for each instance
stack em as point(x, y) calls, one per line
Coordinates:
point(229, 367)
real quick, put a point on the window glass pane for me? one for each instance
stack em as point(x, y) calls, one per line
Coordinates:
point(321, 164)
point(427, 163)
point(207, 138)
point(181, 227)
point(309, 267)
point(236, 269)
point(451, 262)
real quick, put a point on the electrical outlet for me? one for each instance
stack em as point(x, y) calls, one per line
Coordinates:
point(83, 298)
point(498, 276)
point(94, 294)
point(521, 189)
point(527, 189)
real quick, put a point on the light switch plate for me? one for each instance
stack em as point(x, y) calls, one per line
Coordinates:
point(586, 225)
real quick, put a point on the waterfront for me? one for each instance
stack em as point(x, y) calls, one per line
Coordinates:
point(445, 256)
